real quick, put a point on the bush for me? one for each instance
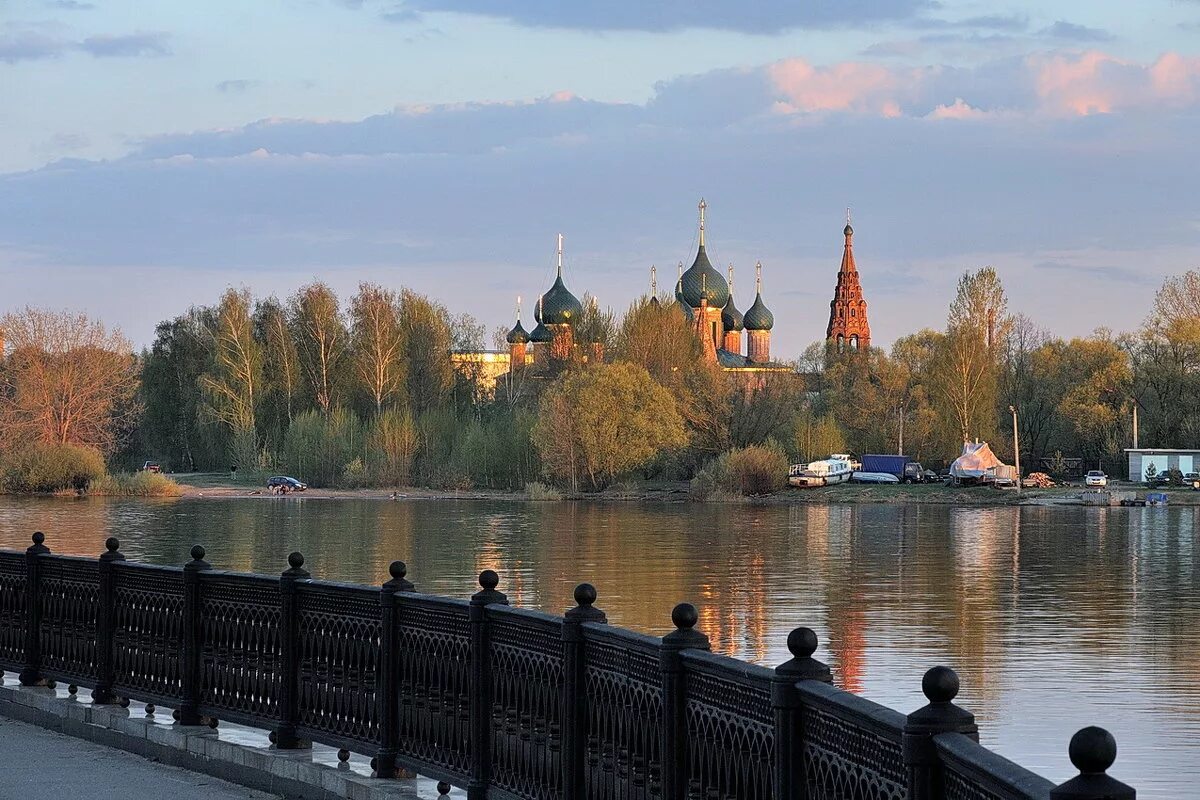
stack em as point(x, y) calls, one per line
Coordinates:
point(317, 449)
point(135, 484)
point(540, 491)
point(51, 468)
point(748, 471)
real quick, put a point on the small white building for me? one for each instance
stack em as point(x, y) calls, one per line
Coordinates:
point(1140, 458)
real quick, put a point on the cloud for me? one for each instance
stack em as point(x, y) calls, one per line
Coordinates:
point(759, 17)
point(462, 200)
point(71, 5)
point(29, 43)
point(125, 45)
point(1069, 31)
point(1097, 83)
point(235, 86)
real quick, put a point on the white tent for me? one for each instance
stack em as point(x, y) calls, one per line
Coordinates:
point(978, 462)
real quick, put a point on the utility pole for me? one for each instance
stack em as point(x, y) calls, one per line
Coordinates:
point(1016, 447)
point(1135, 427)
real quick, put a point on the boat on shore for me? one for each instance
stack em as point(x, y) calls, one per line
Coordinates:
point(826, 472)
point(874, 477)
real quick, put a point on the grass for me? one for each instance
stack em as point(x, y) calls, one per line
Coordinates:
point(540, 491)
point(135, 484)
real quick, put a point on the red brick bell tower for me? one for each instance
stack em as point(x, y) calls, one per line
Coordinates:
point(848, 327)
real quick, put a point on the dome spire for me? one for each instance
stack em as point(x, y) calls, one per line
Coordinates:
point(560, 255)
point(653, 281)
point(518, 308)
point(758, 277)
point(729, 272)
point(703, 206)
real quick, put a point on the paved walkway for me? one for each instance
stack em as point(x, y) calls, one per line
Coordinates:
point(37, 764)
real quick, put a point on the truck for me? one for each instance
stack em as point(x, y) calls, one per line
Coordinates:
point(907, 471)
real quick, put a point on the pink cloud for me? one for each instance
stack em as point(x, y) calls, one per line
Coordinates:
point(959, 109)
point(849, 86)
point(1098, 83)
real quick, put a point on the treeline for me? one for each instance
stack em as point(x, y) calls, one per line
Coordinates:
point(366, 392)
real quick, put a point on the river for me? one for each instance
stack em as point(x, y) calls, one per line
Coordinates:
point(1054, 617)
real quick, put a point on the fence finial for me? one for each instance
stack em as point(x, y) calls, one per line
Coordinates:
point(585, 609)
point(38, 546)
point(1093, 750)
point(399, 583)
point(296, 566)
point(488, 581)
point(802, 643)
point(685, 617)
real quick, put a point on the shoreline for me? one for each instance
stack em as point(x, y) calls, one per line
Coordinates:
point(678, 493)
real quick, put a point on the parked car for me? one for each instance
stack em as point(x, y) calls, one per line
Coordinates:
point(1095, 478)
point(283, 484)
point(151, 466)
point(1192, 479)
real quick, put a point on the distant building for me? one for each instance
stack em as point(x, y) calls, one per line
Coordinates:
point(1163, 459)
point(848, 329)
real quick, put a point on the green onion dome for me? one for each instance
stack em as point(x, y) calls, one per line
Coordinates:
point(517, 335)
point(540, 335)
point(759, 317)
point(731, 318)
point(559, 306)
point(702, 282)
point(848, 231)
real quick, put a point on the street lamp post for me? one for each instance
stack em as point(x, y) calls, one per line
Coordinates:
point(1016, 447)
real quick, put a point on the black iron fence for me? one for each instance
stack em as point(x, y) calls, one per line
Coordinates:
point(506, 702)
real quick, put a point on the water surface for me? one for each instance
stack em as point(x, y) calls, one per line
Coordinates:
point(1055, 618)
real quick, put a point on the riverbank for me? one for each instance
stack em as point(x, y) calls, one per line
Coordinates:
point(216, 485)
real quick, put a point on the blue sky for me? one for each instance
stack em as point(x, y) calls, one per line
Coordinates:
point(153, 153)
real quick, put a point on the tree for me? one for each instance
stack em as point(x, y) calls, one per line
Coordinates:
point(377, 344)
point(603, 422)
point(67, 380)
point(279, 353)
point(659, 339)
point(321, 342)
point(232, 385)
point(966, 372)
point(427, 345)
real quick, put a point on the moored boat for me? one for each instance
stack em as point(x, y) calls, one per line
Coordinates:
point(874, 477)
point(826, 472)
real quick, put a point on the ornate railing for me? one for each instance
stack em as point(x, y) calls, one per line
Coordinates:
point(508, 703)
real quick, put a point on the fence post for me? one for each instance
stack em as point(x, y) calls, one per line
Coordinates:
point(31, 673)
point(105, 621)
point(389, 688)
point(674, 685)
point(1093, 750)
point(189, 709)
point(922, 764)
point(790, 780)
point(289, 654)
point(481, 684)
point(575, 705)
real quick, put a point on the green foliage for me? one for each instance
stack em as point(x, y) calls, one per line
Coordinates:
point(135, 484)
point(1173, 477)
point(1151, 472)
point(51, 468)
point(748, 471)
point(317, 449)
point(817, 437)
point(604, 421)
point(392, 441)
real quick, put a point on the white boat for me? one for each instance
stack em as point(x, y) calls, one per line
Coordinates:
point(874, 477)
point(827, 472)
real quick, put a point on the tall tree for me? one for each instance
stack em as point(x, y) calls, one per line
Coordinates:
point(233, 385)
point(378, 343)
point(172, 429)
point(67, 380)
point(321, 342)
point(282, 362)
point(427, 345)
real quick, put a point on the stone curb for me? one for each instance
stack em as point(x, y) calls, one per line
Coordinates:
point(290, 773)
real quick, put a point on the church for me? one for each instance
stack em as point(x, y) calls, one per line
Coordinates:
point(706, 299)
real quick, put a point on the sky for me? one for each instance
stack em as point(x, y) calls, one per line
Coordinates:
point(152, 154)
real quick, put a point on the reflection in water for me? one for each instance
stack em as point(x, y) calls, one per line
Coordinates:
point(1054, 617)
